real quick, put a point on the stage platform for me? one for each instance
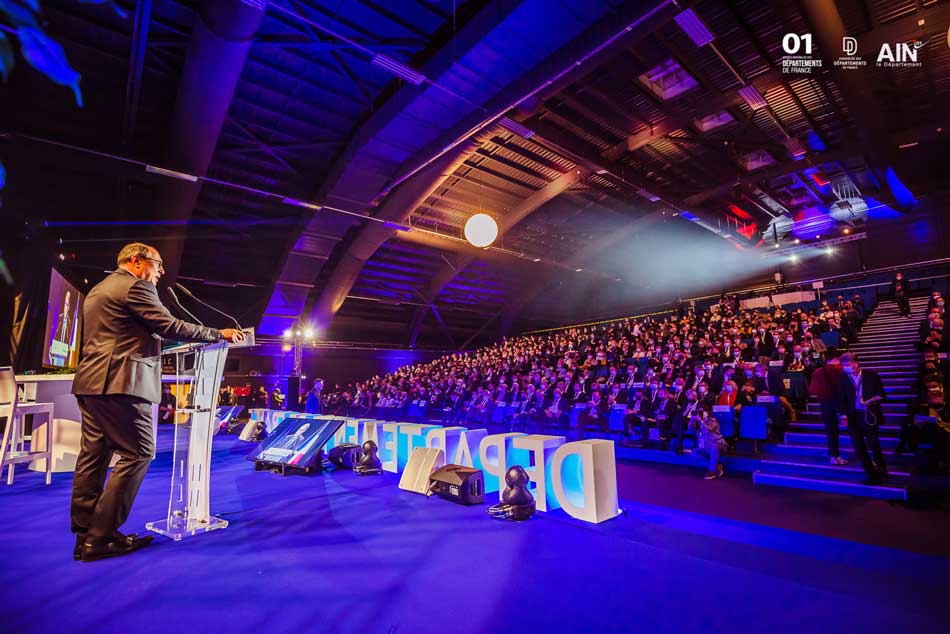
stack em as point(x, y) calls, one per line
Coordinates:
point(340, 553)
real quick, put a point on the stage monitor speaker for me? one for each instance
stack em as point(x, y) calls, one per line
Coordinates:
point(253, 431)
point(293, 394)
point(422, 462)
point(345, 456)
point(457, 483)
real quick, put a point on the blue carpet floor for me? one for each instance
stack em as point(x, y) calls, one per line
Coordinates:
point(340, 553)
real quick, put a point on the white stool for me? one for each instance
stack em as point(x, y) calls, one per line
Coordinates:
point(14, 448)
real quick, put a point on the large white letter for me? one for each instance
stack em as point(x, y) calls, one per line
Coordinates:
point(494, 466)
point(444, 438)
point(389, 446)
point(411, 435)
point(463, 454)
point(589, 490)
point(541, 450)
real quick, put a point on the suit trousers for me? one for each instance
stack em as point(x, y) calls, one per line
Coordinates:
point(829, 416)
point(867, 445)
point(120, 424)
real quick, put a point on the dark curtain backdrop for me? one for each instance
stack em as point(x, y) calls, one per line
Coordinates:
point(29, 261)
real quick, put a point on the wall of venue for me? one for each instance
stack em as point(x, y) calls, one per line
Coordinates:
point(893, 240)
point(268, 364)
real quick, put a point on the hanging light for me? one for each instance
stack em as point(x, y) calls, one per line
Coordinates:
point(481, 230)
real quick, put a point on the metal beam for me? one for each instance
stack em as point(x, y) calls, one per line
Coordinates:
point(221, 38)
point(133, 82)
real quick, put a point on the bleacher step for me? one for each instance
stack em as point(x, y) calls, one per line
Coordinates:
point(805, 427)
point(807, 439)
point(821, 451)
point(814, 418)
point(850, 471)
point(830, 486)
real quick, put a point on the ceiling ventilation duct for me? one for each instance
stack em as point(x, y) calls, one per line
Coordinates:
point(751, 95)
point(755, 160)
point(668, 80)
point(713, 121)
point(694, 27)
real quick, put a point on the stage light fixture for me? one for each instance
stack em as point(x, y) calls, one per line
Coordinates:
point(308, 333)
point(847, 231)
point(829, 251)
point(578, 270)
point(797, 241)
point(288, 334)
point(793, 258)
point(286, 347)
point(481, 230)
point(536, 260)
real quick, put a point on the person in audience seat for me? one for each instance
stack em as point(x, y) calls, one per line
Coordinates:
point(681, 421)
point(594, 414)
point(554, 415)
point(638, 411)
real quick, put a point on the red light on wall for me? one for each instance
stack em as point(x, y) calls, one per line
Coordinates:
point(819, 179)
point(747, 231)
point(739, 212)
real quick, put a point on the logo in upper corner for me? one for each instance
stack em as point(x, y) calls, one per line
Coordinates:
point(850, 60)
point(900, 54)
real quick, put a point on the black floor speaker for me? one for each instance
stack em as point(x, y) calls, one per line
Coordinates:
point(456, 483)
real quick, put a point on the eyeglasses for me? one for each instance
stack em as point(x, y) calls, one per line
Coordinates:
point(159, 263)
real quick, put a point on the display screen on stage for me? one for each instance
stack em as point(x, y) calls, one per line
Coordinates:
point(63, 323)
point(297, 440)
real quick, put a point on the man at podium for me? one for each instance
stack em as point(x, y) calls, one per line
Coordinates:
point(118, 378)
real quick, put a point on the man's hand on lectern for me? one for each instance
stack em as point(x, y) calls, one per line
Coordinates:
point(232, 334)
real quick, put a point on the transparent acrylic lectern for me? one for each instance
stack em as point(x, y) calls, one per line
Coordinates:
point(198, 370)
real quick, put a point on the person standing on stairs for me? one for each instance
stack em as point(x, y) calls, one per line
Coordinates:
point(862, 394)
point(826, 386)
point(900, 289)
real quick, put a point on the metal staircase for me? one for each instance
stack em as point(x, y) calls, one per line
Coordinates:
point(886, 345)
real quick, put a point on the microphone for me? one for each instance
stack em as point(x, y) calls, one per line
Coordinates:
point(178, 305)
point(206, 305)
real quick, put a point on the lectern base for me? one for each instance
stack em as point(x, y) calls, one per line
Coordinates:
point(180, 528)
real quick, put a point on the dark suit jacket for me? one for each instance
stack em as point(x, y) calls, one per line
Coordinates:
point(122, 330)
point(871, 386)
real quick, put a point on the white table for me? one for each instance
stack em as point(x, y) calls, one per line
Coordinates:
point(67, 419)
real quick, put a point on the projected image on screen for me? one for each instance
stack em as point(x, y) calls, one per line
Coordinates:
point(63, 323)
point(296, 440)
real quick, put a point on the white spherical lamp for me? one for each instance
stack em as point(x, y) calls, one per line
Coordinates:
point(481, 230)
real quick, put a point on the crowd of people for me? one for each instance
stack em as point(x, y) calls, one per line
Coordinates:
point(668, 370)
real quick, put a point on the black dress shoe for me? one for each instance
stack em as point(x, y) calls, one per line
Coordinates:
point(77, 549)
point(113, 548)
point(130, 539)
